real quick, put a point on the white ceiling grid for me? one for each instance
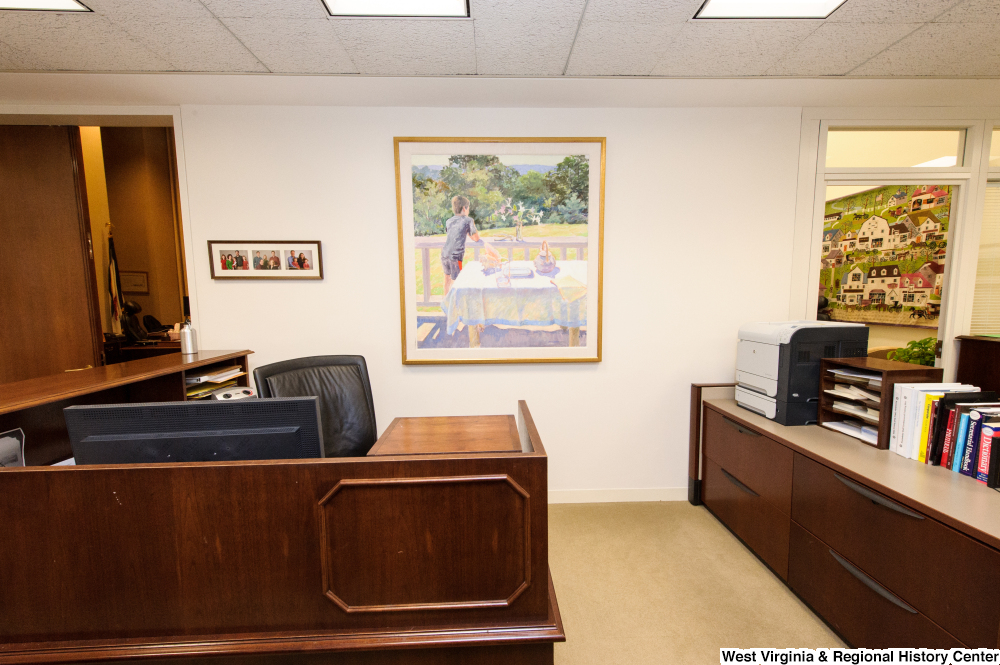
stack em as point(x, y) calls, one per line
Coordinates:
point(525, 38)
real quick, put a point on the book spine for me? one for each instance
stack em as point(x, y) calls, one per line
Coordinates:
point(903, 414)
point(929, 445)
point(949, 437)
point(969, 458)
point(897, 412)
point(960, 437)
point(924, 426)
point(983, 464)
point(993, 477)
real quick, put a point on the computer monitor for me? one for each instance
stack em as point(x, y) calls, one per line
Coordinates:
point(209, 431)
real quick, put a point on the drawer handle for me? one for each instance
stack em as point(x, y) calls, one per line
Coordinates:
point(876, 498)
point(740, 428)
point(738, 484)
point(870, 583)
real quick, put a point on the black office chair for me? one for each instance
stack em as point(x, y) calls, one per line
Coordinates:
point(347, 412)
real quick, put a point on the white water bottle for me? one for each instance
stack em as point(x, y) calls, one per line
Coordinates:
point(189, 339)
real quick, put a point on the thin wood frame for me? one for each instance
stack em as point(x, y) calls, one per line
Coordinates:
point(402, 274)
point(319, 259)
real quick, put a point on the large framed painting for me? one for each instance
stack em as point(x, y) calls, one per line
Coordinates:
point(500, 249)
point(884, 254)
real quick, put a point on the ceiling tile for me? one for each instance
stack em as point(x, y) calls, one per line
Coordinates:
point(972, 11)
point(194, 44)
point(13, 60)
point(285, 9)
point(638, 12)
point(131, 10)
point(939, 49)
point(520, 48)
point(76, 42)
point(837, 48)
point(409, 47)
point(527, 11)
point(307, 46)
point(890, 11)
point(724, 48)
point(613, 48)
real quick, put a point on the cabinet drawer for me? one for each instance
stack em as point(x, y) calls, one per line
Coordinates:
point(949, 577)
point(849, 600)
point(764, 465)
point(761, 526)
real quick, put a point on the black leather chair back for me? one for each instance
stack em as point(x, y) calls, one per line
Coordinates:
point(347, 412)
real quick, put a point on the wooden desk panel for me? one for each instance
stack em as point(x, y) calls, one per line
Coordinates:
point(291, 556)
point(455, 434)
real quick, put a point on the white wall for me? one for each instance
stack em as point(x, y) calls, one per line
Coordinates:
point(698, 235)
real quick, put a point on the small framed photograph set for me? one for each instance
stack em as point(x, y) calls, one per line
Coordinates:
point(266, 259)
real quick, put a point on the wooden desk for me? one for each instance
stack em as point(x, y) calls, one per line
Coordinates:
point(386, 559)
point(36, 405)
point(462, 434)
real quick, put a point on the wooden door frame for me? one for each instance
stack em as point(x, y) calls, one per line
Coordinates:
point(89, 265)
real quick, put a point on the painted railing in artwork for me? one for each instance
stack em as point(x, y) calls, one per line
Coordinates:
point(560, 246)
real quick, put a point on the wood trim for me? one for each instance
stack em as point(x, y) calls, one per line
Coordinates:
point(330, 593)
point(277, 643)
point(89, 267)
point(695, 461)
point(47, 389)
point(529, 423)
point(993, 540)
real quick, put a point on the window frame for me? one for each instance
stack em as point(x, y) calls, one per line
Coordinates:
point(968, 198)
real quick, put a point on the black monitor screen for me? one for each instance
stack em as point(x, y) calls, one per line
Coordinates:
point(209, 431)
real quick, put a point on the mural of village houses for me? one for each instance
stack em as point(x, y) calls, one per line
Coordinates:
point(884, 253)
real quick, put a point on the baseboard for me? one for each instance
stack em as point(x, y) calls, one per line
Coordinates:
point(619, 495)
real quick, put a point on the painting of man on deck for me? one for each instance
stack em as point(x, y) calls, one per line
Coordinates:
point(500, 249)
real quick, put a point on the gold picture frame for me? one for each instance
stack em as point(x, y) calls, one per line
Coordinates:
point(497, 297)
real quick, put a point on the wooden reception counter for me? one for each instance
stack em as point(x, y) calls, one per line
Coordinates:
point(432, 550)
point(36, 405)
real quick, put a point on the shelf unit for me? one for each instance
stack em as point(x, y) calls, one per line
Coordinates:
point(891, 371)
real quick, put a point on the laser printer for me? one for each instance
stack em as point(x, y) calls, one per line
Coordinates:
point(777, 365)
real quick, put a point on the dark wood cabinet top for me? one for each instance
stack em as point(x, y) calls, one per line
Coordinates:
point(46, 389)
point(956, 500)
point(456, 434)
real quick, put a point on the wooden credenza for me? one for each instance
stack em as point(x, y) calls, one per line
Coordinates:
point(889, 552)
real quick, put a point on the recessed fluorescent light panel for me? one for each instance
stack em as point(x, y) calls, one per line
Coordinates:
point(45, 5)
point(431, 8)
point(768, 8)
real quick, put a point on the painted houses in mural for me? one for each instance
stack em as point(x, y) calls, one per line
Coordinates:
point(884, 253)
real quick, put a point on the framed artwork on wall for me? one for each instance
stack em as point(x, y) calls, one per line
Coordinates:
point(884, 253)
point(134, 281)
point(266, 259)
point(500, 249)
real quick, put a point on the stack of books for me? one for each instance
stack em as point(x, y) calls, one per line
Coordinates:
point(950, 425)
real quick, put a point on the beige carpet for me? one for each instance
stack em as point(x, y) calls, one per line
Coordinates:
point(665, 583)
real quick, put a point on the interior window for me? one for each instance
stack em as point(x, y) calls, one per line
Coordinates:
point(860, 148)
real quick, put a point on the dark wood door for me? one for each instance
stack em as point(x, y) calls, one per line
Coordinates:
point(50, 318)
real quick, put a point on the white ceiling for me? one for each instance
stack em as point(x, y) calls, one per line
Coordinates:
point(522, 38)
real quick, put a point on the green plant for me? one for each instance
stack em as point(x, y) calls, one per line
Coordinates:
point(918, 352)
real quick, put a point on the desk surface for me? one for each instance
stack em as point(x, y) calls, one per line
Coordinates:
point(456, 434)
point(47, 389)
